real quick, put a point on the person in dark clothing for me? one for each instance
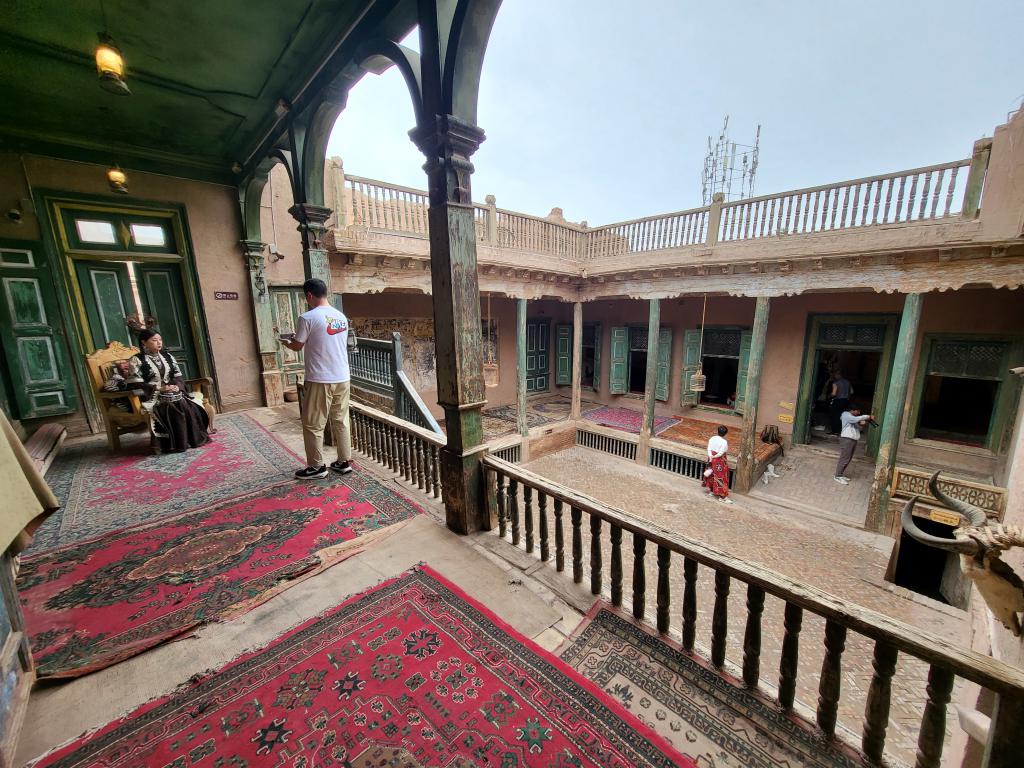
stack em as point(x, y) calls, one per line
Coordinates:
point(839, 401)
point(178, 421)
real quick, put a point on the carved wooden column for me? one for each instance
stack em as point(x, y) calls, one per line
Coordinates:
point(577, 359)
point(266, 339)
point(312, 227)
point(976, 178)
point(878, 518)
point(521, 422)
point(448, 144)
point(650, 381)
point(748, 437)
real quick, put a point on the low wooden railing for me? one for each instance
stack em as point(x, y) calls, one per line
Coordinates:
point(402, 447)
point(915, 195)
point(376, 365)
point(532, 511)
point(921, 194)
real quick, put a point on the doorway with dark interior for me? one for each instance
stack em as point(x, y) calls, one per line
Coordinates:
point(857, 366)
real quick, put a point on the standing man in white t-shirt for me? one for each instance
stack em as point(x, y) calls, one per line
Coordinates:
point(323, 335)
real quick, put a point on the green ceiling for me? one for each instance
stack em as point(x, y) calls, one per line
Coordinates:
point(205, 77)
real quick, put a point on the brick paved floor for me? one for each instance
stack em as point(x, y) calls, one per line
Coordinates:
point(844, 562)
point(807, 484)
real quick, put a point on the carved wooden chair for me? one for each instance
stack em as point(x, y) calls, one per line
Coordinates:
point(119, 419)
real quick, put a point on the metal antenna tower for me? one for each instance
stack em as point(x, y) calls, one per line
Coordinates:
point(730, 167)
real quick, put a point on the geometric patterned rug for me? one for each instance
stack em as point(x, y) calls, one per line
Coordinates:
point(94, 603)
point(102, 491)
point(626, 419)
point(704, 713)
point(410, 673)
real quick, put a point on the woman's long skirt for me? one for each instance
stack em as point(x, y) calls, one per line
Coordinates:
point(718, 481)
point(180, 425)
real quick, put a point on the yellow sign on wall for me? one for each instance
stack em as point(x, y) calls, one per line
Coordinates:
point(941, 516)
point(784, 404)
point(785, 418)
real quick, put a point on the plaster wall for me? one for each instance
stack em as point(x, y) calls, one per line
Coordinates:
point(213, 222)
point(1002, 202)
point(279, 228)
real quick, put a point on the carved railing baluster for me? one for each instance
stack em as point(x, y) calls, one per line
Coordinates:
point(542, 511)
point(831, 679)
point(933, 722)
point(528, 516)
point(752, 636)
point(404, 453)
point(513, 509)
point(937, 194)
point(952, 186)
point(912, 197)
point(502, 506)
point(876, 712)
point(435, 473)
point(576, 516)
point(639, 576)
point(925, 189)
point(720, 619)
point(846, 207)
point(421, 460)
point(664, 595)
point(790, 660)
point(559, 538)
point(773, 228)
point(689, 603)
point(595, 555)
point(615, 565)
point(899, 200)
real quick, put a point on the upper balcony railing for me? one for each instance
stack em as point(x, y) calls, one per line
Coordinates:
point(933, 193)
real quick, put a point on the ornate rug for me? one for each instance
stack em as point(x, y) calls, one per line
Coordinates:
point(103, 491)
point(626, 419)
point(92, 604)
point(410, 673)
point(707, 715)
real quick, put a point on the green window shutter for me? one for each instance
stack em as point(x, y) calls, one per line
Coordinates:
point(597, 357)
point(618, 374)
point(741, 376)
point(563, 355)
point(30, 334)
point(664, 357)
point(691, 359)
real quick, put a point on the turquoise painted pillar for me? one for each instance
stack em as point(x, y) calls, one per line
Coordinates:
point(745, 460)
point(650, 381)
point(521, 423)
point(878, 518)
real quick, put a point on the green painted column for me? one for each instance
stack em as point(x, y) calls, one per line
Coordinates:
point(878, 518)
point(312, 219)
point(748, 436)
point(521, 422)
point(651, 377)
point(266, 339)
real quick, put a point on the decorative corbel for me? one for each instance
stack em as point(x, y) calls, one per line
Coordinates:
point(252, 252)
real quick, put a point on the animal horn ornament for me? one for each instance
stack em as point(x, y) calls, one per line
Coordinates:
point(980, 542)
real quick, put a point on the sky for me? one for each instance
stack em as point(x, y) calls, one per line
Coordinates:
point(606, 112)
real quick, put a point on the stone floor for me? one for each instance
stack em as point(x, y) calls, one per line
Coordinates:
point(807, 485)
point(847, 563)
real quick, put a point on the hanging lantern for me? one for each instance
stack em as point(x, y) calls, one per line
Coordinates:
point(117, 179)
point(110, 66)
point(698, 380)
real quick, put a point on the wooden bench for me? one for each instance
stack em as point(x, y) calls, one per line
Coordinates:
point(44, 444)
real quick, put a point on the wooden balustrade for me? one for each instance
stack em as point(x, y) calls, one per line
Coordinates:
point(916, 195)
point(890, 637)
point(920, 194)
point(371, 363)
point(406, 449)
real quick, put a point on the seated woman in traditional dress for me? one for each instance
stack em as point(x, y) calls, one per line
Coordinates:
point(178, 419)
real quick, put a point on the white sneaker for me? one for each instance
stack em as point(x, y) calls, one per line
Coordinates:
point(842, 480)
point(725, 500)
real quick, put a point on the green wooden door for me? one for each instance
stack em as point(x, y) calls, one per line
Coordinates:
point(664, 358)
point(163, 297)
point(563, 355)
point(691, 361)
point(107, 295)
point(741, 373)
point(618, 371)
point(597, 355)
point(287, 303)
point(33, 342)
point(538, 356)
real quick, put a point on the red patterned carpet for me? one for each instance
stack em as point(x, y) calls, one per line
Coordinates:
point(410, 673)
point(626, 419)
point(102, 491)
point(92, 604)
